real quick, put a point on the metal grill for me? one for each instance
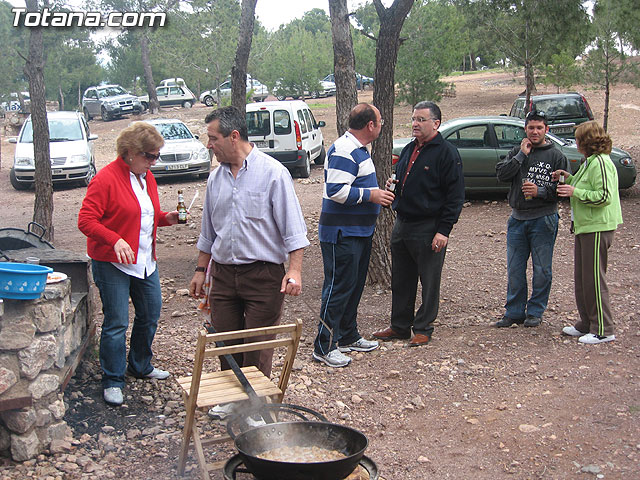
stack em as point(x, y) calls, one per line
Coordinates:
point(175, 157)
point(58, 161)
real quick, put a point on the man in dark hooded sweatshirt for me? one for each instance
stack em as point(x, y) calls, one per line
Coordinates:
point(533, 224)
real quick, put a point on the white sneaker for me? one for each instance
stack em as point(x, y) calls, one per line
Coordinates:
point(335, 358)
point(220, 412)
point(572, 331)
point(360, 345)
point(113, 395)
point(593, 339)
point(157, 374)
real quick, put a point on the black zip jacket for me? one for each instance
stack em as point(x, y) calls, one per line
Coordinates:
point(434, 187)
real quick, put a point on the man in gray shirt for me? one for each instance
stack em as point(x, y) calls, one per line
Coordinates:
point(251, 223)
point(533, 224)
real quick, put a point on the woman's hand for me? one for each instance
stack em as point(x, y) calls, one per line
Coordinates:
point(565, 190)
point(172, 217)
point(555, 176)
point(124, 253)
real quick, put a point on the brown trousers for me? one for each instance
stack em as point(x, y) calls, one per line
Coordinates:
point(592, 294)
point(247, 296)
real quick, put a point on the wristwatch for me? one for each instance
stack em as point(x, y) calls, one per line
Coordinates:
point(201, 269)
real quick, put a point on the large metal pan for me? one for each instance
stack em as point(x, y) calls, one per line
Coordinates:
point(330, 436)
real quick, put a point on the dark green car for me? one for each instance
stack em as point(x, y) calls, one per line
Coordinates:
point(484, 141)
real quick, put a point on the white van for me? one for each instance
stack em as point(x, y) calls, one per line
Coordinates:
point(288, 132)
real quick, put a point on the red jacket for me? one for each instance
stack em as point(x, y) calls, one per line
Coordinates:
point(110, 211)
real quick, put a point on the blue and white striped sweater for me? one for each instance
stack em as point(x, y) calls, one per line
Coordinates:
point(349, 175)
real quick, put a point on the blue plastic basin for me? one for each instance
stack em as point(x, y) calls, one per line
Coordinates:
point(22, 281)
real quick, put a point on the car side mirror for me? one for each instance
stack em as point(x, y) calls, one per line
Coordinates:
point(13, 140)
point(197, 137)
point(93, 136)
point(322, 124)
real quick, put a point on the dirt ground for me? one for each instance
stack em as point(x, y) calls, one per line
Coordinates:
point(477, 402)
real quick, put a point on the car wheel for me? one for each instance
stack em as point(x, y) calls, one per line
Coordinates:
point(85, 112)
point(208, 101)
point(305, 171)
point(187, 104)
point(145, 106)
point(90, 174)
point(314, 95)
point(16, 184)
point(295, 97)
point(320, 158)
point(281, 97)
point(105, 115)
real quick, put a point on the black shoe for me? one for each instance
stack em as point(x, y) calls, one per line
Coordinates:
point(532, 321)
point(507, 322)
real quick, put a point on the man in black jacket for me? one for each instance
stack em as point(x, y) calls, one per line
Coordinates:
point(429, 198)
point(533, 224)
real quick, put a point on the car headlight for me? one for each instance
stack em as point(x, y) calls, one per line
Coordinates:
point(77, 160)
point(24, 161)
point(203, 155)
point(626, 161)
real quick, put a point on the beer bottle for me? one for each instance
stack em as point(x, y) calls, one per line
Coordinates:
point(392, 187)
point(182, 209)
point(561, 179)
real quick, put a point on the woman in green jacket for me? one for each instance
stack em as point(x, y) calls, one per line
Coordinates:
point(596, 213)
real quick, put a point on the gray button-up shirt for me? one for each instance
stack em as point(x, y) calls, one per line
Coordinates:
point(253, 217)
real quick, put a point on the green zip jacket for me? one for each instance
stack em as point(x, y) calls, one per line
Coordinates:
point(595, 203)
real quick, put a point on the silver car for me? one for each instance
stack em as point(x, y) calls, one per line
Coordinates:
point(182, 154)
point(70, 149)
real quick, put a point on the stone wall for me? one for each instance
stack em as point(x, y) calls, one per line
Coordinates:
point(40, 343)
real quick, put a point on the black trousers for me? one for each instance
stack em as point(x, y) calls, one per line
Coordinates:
point(412, 259)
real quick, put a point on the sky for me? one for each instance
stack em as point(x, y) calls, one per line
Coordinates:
point(273, 13)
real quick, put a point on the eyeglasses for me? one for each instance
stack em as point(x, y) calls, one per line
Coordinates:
point(150, 156)
point(533, 114)
point(422, 119)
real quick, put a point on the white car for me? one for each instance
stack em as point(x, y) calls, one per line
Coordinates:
point(258, 92)
point(70, 149)
point(288, 132)
point(171, 96)
point(325, 89)
point(182, 153)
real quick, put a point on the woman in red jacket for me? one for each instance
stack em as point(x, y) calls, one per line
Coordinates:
point(119, 216)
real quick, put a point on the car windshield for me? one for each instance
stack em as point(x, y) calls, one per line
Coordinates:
point(564, 108)
point(258, 123)
point(173, 131)
point(60, 130)
point(110, 91)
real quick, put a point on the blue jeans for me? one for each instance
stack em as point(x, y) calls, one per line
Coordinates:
point(345, 271)
point(535, 238)
point(115, 289)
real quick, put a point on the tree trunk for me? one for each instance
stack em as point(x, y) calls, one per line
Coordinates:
point(391, 21)
point(34, 71)
point(344, 63)
point(239, 69)
point(60, 99)
point(607, 91)
point(154, 105)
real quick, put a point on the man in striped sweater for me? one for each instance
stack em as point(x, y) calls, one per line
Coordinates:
point(350, 206)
